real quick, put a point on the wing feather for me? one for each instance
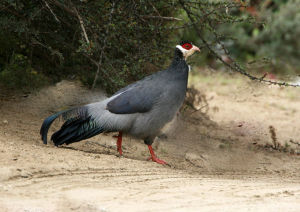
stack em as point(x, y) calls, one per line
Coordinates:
point(139, 97)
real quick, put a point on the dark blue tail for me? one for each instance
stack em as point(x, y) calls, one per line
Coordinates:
point(76, 129)
point(46, 125)
point(78, 126)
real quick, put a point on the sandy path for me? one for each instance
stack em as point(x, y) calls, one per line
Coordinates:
point(108, 183)
point(213, 166)
point(150, 189)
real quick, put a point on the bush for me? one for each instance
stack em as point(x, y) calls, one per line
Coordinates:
point(273, 36)
point(18, 74)
point(280, 37)
point(51, 35)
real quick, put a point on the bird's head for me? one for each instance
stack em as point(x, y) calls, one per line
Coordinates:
point(187, 49)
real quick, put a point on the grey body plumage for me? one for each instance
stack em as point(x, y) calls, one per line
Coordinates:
point(140, 109)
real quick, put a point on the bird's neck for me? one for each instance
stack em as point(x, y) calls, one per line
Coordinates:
point(178, 59)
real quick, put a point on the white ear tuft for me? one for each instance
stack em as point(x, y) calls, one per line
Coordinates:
point(181, 49)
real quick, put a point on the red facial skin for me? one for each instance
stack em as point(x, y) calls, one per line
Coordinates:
point(187, 46)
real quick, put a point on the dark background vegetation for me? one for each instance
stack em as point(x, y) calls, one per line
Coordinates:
point(112, 43)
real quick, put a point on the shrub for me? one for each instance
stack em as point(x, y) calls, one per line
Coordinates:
point(18, 74)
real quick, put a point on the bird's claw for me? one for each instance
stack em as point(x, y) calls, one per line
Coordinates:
point(157, 160)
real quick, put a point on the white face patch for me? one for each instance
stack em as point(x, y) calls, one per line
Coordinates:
point(183, 50)
point(186, 53)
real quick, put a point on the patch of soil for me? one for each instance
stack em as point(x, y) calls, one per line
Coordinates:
point(217, 158)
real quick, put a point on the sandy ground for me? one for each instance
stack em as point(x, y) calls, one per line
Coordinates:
point(222, 163)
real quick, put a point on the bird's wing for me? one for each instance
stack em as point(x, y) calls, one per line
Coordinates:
point(137, 98)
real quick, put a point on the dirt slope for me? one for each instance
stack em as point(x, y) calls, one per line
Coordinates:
point(216, 164)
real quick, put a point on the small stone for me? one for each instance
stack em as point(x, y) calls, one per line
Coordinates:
point(25, 174)
point(162, 136)
point(5, 121)
point(195, 159)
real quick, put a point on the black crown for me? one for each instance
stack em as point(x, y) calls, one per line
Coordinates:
point(183, 42)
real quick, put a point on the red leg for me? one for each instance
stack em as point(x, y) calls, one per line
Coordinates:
point(119, 143)
point(154, 158)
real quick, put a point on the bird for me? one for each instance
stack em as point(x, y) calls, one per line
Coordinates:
point(140, 109)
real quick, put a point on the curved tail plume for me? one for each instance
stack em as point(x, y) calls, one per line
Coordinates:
point(79, 125)
point(46, 125)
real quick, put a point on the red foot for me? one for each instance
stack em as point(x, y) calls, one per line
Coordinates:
point(154, 158)
point(119, 142)
point(157, 160)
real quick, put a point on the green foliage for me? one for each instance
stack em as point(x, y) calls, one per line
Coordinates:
point(280, 37)
point(272, 35)
point(18, 74)
point(49, 33)
point(126, 40)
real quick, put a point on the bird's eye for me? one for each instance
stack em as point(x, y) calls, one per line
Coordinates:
point(187, 46)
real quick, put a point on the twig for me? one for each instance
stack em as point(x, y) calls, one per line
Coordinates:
point(13, 12)
point(47, 5)
point(276, 145)
point(265, 74)
point(82, 26)
point(196, 110)
point(154, 8)
point(104, 44)
point(64, 7)
point(294, 142)
point(34, 41)
point(233, 65)
point(161, 17)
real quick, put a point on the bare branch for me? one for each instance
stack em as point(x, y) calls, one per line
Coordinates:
point(64, 7)
point(294, 142)
point(154, 8)
point(81, 25)
point(47, 5)
point(161, 17)
point(12, 11)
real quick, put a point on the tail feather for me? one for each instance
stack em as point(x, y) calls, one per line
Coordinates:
point(86, 135)
point(46, 125)
point(66, 129)
point(78, 126)
point(76, 130)
point(68, 122)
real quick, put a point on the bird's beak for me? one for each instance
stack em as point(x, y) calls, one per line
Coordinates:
point(196, 49)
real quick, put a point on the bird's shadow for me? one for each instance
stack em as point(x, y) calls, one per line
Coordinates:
point(109, 151)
